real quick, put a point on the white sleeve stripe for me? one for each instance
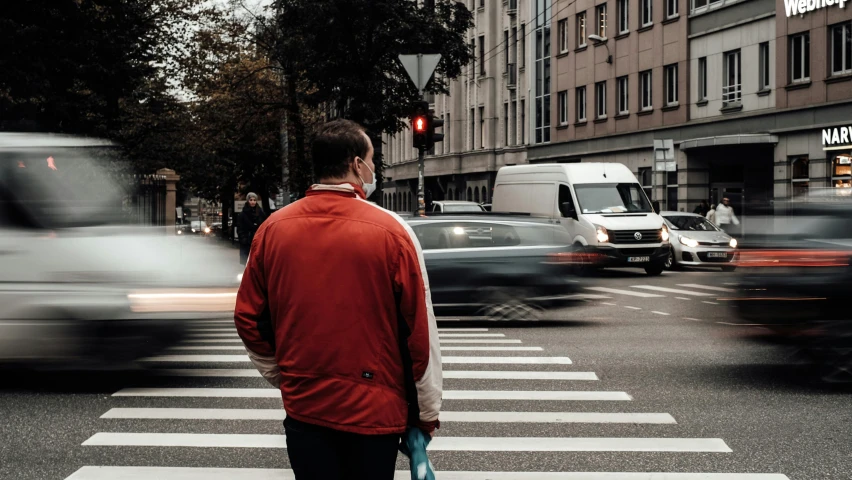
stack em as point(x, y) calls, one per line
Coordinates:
point(430, 386)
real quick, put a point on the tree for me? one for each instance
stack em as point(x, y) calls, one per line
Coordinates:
point(344, 55)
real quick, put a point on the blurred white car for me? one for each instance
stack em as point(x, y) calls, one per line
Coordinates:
point(697, 242)
point(79, 290)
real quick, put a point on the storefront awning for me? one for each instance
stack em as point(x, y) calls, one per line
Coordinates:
point(729, 140)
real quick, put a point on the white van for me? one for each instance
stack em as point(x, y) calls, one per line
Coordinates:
point(602, 206)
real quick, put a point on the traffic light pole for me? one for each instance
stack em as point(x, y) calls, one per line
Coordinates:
point(421, 173)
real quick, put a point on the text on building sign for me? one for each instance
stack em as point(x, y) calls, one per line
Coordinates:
point(799, 7)
point(837, 136)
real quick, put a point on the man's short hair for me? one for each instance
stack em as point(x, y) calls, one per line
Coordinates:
point(338, 143)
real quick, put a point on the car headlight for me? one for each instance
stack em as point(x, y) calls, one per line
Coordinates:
point(601, 234)
point(207, 230)
point(689, 242)
point(180, 232)
point(664, 233)
point(734, 243)
point(458, 231)
point(193, 230)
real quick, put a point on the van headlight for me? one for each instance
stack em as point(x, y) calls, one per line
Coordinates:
point(734, 243)
point(689, 242)
point(664, 233)
point(601, 234)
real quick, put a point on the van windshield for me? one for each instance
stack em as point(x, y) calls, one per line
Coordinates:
point(612, 198)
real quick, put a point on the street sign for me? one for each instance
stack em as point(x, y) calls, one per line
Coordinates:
point(420, 67)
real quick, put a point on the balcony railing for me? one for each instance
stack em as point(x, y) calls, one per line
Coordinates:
point(732, 94)
point(513, 7)
point(512, 77)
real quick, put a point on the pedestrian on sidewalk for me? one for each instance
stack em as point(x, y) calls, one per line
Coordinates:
point(702, 208)
point(248, 222)
point(334, 310)
point(711, 215)
point(726, 216)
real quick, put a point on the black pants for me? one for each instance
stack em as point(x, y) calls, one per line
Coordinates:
point(319, 453)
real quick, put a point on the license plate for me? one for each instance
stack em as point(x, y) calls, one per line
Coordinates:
point(638, 259)
point(717, 255)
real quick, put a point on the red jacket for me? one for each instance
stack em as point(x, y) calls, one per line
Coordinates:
point(331, 281)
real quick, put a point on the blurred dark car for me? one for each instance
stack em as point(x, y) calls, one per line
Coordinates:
point(795, 279)
point(496, 267)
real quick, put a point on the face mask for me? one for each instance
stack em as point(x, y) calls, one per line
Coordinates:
point(369, 188)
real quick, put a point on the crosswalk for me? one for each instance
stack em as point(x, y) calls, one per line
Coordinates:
point(188, 389)
point(683, 291)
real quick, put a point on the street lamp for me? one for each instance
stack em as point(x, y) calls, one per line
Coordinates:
point(603, 40)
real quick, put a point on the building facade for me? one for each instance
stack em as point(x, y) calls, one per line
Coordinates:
point(486, 121)
point(756, 97)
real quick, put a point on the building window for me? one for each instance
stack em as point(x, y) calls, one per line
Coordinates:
point(472, 128)
point(671, 85)
point(482, 54)
point(702, 79)
point(764, 66)
point(732, 89)
point(523, 122)
point(581, 104)
point(646, 97)
point(448, 142)
point(647, 12)
point(671, 8)
point(801, 176)
point(514, 121)
point(563, 107)
point(800, 58)
point(513, 52)
point(601, 20)
point(623, 16)
point(841, 174)
point(522, 54)
point(481, 3)
point(506, 45)
point(841, 49)
point(600, 99)
point(562, 29)
point(542, 17)
point(671, 191)
point(473, 61)
point(646, 180)
point(701, 5)
point(581, 29)
point(506, 124)
point(481, 127)
point(623, 105)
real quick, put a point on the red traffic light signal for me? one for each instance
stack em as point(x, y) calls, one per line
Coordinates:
point(420, 124)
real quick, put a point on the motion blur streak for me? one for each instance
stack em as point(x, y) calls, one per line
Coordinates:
point(183, 301)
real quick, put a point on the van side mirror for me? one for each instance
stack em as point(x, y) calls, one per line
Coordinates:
point(567, 210)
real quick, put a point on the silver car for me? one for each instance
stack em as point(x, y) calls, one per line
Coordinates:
point(697, 242)
point(79, 289)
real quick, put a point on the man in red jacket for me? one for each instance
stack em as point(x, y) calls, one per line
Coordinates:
point(334, 309)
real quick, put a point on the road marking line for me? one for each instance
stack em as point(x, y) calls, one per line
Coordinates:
point(683, 298)
point(212, 330)
point(461, 417)
point(491, 349)
point(471, 335)
point(448, 374)
point(708, 287)
point(743, 324)
point(473, 360)
point(659, 313)
point(692, 319)
point(633, 308)
point(450, 330)
point(456, 444)
point(672, 290)
point(465, 340)
point(710, 303)
point(625, 292)
point(197, 473)
point(557, 395)
point(731, 283)
point(610, 304)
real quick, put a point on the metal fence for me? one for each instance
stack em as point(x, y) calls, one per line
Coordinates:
point(144, 201)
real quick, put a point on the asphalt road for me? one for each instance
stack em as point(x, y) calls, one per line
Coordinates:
point(662, 378)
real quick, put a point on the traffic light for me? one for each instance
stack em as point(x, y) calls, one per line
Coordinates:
point(431, 137)
point(420, 125)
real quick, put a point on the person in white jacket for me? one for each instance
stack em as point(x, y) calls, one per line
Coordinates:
point(725, 215)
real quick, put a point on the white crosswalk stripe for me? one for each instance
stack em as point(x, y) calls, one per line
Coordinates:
point(673, 290)
point(454, 444)
point(471, 417)
point(625, 292)
point(558, 395)
point(200, 473)
point(708, 287)
point(460, 407)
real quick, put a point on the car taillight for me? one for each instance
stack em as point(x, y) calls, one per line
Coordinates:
point(793, 258)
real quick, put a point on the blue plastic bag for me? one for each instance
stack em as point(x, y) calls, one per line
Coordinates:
point(413, 446)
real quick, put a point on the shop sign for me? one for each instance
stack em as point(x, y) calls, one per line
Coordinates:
point(838, 138)
point(799, 7)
